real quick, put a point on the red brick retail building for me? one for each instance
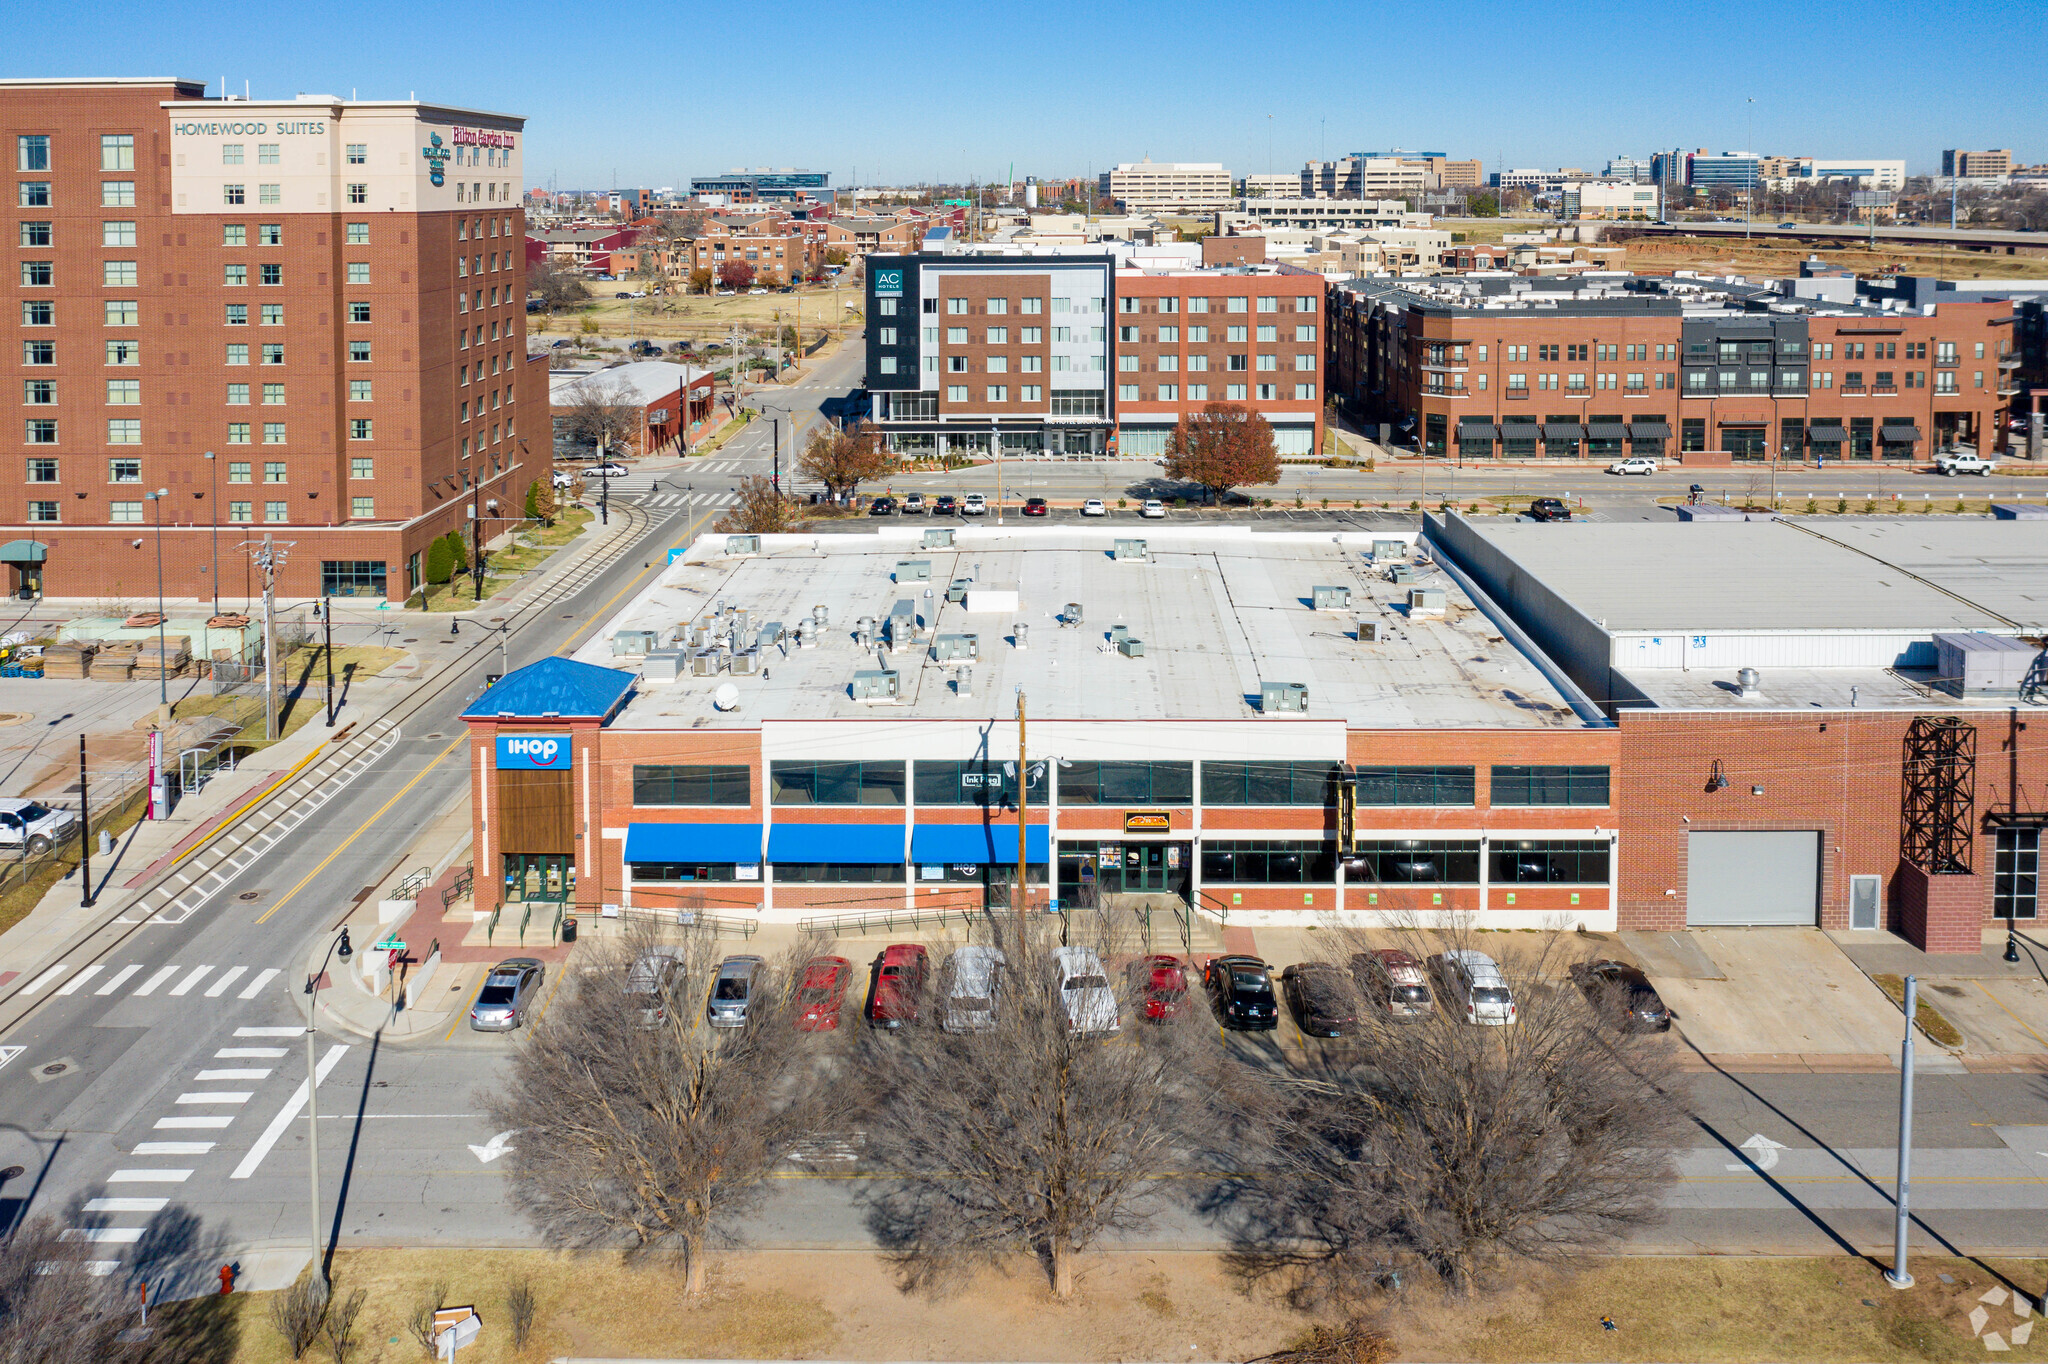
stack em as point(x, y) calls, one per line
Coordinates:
point(1710, 371)
point(303, 318)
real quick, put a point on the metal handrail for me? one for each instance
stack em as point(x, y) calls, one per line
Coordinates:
point(891, 919)
point(413, 884)
point(460, 888)
point(491, 931)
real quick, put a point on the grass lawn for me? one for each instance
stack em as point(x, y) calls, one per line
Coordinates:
point(20, 898)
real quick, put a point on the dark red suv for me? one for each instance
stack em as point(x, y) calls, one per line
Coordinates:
point(898, 986)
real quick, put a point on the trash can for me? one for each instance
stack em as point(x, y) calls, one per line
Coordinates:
point(569, 928)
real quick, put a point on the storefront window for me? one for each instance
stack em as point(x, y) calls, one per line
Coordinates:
point(1127, 783)
point(1399, 860)
point(1267, 783)
point(1566, 861)
point(804, 783)
point(1267, 862)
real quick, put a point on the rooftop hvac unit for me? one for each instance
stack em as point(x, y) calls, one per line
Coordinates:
point(1330, 598)
point(864, 632)
point(1368, 631)
point(876, 684)
point(632, 643)
point(662, 665)
point(1130, 549)
point(963, 682)
point(1283, 698)
point(770, 636)
point(1426, 601)
point(1385, 550)
point(1131, 646)
point(1401, 573)
point(1119, 633)
point(989, 601)
point(1983, 665)
point(913, 570)
point(742, 544)
point(952, 648)
point(705, 663)
point(937, 539)
point(956, 591)
point(903, 624)
point(747, 662)
point(698, 636)
point(1071, 615)
point(1020, 635)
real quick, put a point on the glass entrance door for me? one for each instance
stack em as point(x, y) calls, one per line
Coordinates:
point(546, 878)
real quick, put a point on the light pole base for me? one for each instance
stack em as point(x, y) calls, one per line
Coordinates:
point(1898, 1280)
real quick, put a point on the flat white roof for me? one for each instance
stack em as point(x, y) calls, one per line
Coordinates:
point(1220, 610)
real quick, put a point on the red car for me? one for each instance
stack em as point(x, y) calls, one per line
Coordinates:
point(899, 985)
point(821, 993)
point(1160, 985)
point(1035, 506)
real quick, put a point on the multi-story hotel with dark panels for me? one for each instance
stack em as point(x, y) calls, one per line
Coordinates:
point(303, 318)
point(1710, 370)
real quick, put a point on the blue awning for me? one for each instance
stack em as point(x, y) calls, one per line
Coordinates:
point(836, 843)
point(975, 844)
point(738, 843)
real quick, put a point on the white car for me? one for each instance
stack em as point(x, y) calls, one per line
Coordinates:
point(1634, 464)
point(25, 821)
point(564, 478)
point(605, 471)
point(974, 504)
point(1472, 981)
point(1085, 993)
point(973, 980)
point(1153, 510)
point(1093, 507)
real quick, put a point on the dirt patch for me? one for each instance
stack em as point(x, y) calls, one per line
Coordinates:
point(1938, 1029)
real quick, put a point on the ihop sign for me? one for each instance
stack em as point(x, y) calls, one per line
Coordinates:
point(534, 752)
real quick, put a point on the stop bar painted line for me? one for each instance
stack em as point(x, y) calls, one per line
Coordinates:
point(286, 1114)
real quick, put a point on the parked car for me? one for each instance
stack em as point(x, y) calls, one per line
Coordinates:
point(943, 505)
point(1153, 509)
point(1322, 999)
point(608, 469)
point(559, 342)
point(622, 294)
point(898, 992)
point(1788, 224)
point(1393, 980)
point(1093, 507)
point(564, 478)
point(1962, 462)
point(732, 991)
point(1240, 990)
point(1549, 509)
point(1159, 984)
point(974, 504)
point(37, 825)
point(1634, 464)
point(1621, 995)
point(656, 973)
point(974, 983)
point(1472, 982)
point(644, 348)
point(1085, 993)
point(821, 993)
point(882, 506)
point(508, 992)
point(913, 505)
point(1036, 506)
point(757, 289)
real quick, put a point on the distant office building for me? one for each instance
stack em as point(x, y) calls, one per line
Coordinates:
point(1359, 176)
point(1598, 199)
point(1256, 215)
point(1667, 168)
point(764, 185)
point(1976, 165)
point(1272, 186)
point(1630, 168)
point(1732, 170)
point(1867, 174)
point(1535, 181)
point(1444, 172)
point(1167, 186)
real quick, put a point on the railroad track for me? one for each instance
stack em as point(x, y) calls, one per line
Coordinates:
point(183, 888)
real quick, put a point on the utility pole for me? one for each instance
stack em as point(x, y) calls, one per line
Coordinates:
point(213, 515)
point(268, 556)
point(1898, 1276)
point(327, 624)
point(84, 831)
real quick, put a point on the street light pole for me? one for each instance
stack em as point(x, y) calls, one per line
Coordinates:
point(163, 686)
point(327, 624)
point(213, 515)
point(1898, 1276)
point(313, 1109)
point(1023, 803)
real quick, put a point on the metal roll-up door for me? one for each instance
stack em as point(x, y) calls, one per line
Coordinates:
point(1751, 878)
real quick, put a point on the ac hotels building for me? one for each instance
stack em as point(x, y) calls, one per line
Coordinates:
point(301, 317)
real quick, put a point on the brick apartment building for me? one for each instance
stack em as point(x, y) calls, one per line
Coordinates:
point(298, 317)
point(1708, 370)
point(864, 236)
point(778, 249)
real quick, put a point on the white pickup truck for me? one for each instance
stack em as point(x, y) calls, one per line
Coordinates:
point(1965, 462)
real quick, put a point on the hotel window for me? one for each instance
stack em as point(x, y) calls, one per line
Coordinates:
point(35, 234)
point(1233, 393)
point(270, 234)
point(238, 314)
point(1236, 363)
point(42, 431)
point(956, 364)
point(124, 471)
point(359, 390)
point(234, 234)
point(117, 194)
point(1198, 305)
point(956, 336)
point(1030, 393)
point(1308, 333)
point(272, 274)
point(1305, 393)
point(362, 466)
point(42, 471)
point(38, 273)
point(124, 431)
point(33, 194)
point(363, 508)
point(1198, 393)
point(39, 313)
point(273, 395)
point(1169, 393)
point(273, 471)
point(999, 336)
point(239, 511)
point(359, 312)
point(273, 434)
point(956, 305)
point(998, 364)
point(39, 352)
point(234, 276)
point(238, 469)
point(359, 194)
point(1127, 363)
point(272, 314)
point(359, 428)
point(956, 393)
point(123, 312)
point(358, 351)
point(1269, 333)
point(231, 153)
point(124, 511)
point(1233, 333)
point(124, 392)
point(358, 153)
point(238, 434)
point(32, 152)
point(274, 511)
point(358, 234)
point(1269, 362)
point(238, 395)
point(233, 195)
point(1031, 305)
point(1236, 305)
point(39, 392)
point(1127, 393)
point(999, 393)
point(42, 511)
point(1268, 392)
point(1168, 363)
point(267, 153)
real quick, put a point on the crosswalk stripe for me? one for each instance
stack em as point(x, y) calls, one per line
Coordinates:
point(71, 986)
point(120, 1236)
point(169, 1123)
point(118, 979)
point(149, 1176)
point(126, 1204)
point(44, 979)
point(221, 1096)
point(247, 1053)
point(270, 1032)
point(172, 1148)
point(205, 1075)
point(198, 974)
point(226, 978)
point(148, 987)
point(263, 978)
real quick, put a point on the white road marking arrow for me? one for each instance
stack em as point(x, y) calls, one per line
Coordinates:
point(1765, 1153)
point(9, 1053)
point(493, 1148)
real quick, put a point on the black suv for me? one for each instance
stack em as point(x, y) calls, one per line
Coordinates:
point(945, 505)
point(1549, 509)
point(882, 506)
point(1240, 990)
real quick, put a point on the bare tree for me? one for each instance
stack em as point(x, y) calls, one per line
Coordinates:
point(642, 1126)
point(556, 287)
point(602, 411)
point(53, 1310)
point(1224, 446)
point(842, 459)
point(299, 1312)
point(1448, 1145)
point(761, 510)
point(1029, 1134)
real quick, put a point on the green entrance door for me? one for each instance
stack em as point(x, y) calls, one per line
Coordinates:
point(547, 878)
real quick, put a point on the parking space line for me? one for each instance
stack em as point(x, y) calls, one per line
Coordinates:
point(2009, 1013)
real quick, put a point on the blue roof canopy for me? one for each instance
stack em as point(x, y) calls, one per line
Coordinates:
point(738, 843)
point(835, 843)
point(975, 844)
point(554, 688)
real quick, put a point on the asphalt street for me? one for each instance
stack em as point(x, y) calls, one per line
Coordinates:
point(158, 1102)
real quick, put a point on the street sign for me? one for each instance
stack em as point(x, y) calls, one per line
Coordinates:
point(388, 945)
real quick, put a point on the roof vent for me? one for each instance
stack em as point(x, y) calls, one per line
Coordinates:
point(1134, 550)
point(1070, 615)
point(1283, 698)
point(1748, 682)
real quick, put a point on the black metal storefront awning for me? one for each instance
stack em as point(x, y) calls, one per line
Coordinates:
point(1829, 435)
point(1563, 431)
point(1899, 433)
point(1469, 431)
point(1648, 430)
point(1607, 430)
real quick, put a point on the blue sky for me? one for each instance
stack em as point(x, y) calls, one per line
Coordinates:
point(654, 93)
